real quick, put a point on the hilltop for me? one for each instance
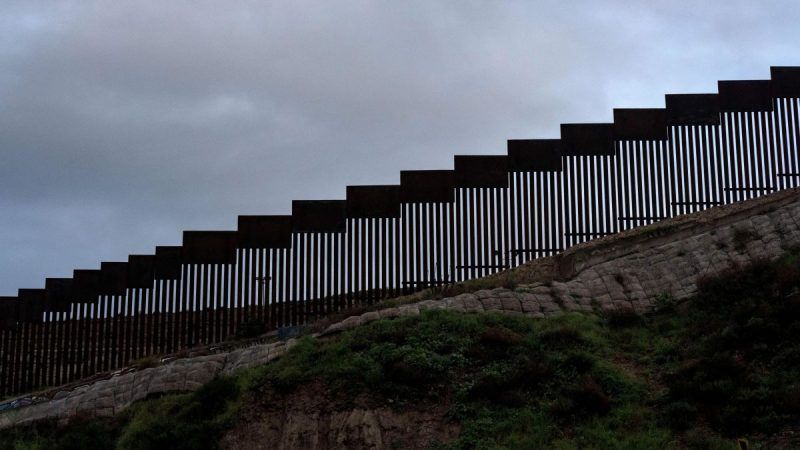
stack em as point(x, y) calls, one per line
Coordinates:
point(681, 334)
point(692, 374)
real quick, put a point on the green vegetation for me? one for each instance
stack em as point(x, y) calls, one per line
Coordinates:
point(696, 374)
point(177, 421)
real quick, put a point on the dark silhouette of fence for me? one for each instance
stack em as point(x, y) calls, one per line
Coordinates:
point(436, 227)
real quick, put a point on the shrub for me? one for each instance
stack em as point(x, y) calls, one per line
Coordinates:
point(186, 421)
point(563, 335)
point(500, 336)
point(679, 415)
point(665, 302)
point(742, 236)
point(584, 398)
point(623, 318)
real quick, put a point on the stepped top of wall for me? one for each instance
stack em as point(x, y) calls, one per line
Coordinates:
point(416, 186)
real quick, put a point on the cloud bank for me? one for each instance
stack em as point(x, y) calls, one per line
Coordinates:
point(123, 123)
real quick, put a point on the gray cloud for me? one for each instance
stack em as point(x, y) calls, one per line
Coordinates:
point(123, 123)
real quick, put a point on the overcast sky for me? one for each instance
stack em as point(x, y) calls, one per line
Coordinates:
point(123, 123)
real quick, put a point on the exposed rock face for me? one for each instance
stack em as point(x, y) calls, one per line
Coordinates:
point(110, 396)
point(310, 419)
point(628, 270)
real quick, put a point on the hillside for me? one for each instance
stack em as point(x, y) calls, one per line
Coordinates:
point(698, 373)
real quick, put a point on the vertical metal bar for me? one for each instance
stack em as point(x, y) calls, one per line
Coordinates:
point(685, 180)
point(201, 295)
point(488, 241)
point(349, 256)
point(56, 350)
point(252, 285)
point(315, 275)
point(768, 150)
point(103, 338)
point(5, 374)
point(82, 369)
point(555, 213)
point(739, 158)
point(342, 267)
point(274, 306)
point(36, 331)
point(30, 351)
point(696, 173)
point(51, 327)
point(4, 338)
point(527, 225)
point(461, 215)
point(368, 262)
point(167, 327)
point(417, 260)
point(362, 261)
point(516, 232)
point(796, 134)
point(781, 149)
point(215, 301)
point(16, 366)
point(585, 211)
point(426, 256)
point(25, 353)
point(329, 272)
point(207, 303)
point(387, 257)
point(193, 305)
point(90, 363)
point(753, 161)
point(574, 225)
point(472, 260)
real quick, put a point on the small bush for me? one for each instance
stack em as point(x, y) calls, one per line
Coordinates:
point(186, 421)
point(563, 335)
point(665, 302)
point(742, 236)
point(679, 415)
point(702, 439)
point(585, 398)
point(623, 318)
point(500, 336)
point(580, 362)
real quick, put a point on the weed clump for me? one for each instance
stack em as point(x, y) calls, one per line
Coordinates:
point(623, 318)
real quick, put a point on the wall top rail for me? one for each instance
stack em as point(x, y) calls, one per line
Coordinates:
point(481, 171)
point(168, 263)
point(422, 186)
point(534, 155)
point(141, 271)
point(59, 293)
point(692, 109)
point(319, 216)
point(85, 285)
point(209, 247)
point(8, 312)
point(31, 304)
point(785, 81)
point(745, 95)
point(587, 139)
point(265, 231)
point(113, 278)
point(633, 124)
point(373, 202)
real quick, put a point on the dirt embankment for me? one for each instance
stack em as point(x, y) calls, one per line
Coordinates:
point(311, 418)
